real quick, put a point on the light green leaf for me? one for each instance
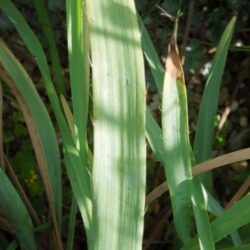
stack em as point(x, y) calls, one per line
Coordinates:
point(119, 125)
point(177, 160)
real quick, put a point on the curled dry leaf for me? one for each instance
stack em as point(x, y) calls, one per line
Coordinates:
point(173, 63)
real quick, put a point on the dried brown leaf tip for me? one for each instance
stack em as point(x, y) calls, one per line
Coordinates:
point(173, 63)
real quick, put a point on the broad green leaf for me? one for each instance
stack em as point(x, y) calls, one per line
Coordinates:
point(119, 125)
point(208, 107)
point(17, 213)
point(177, 160)
point(152, 58)
point(232, 219)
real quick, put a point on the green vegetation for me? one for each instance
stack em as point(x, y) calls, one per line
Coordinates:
point(89, 137)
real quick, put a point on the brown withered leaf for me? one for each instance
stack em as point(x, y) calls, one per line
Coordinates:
point(173, 64)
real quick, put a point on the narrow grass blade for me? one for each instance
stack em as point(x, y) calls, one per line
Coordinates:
point(205, 125)
point(71, 225)
point(41, 131)
point(154, 136)
point(232, 219)
point(14, 179)
point(201, 216)
point(153, 130)
point(69, 116)
point(152, 58)
point(80, 185)
point(176, 142)
point(119, 125)
point(77, 188)
point(199, 203)
point(1, 126)
point(78, 53)
point(49, 34)
point(17, 213)
point(79, 176)
point(216, 209)
point(13, 245)
point(35, 48)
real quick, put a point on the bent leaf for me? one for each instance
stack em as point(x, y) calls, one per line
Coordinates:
point(41, 131)
point(232, 219)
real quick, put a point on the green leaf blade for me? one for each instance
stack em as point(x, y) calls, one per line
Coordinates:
point(42, 121)
point(204, 230)
point(176, 143)
point(17, 213)
point(152, 58)
point(78, 53)
point(119, 125)
point(48, 32)
point(205, 125)
point(79, 176)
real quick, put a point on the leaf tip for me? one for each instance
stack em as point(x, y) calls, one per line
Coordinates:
point(173, 64)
